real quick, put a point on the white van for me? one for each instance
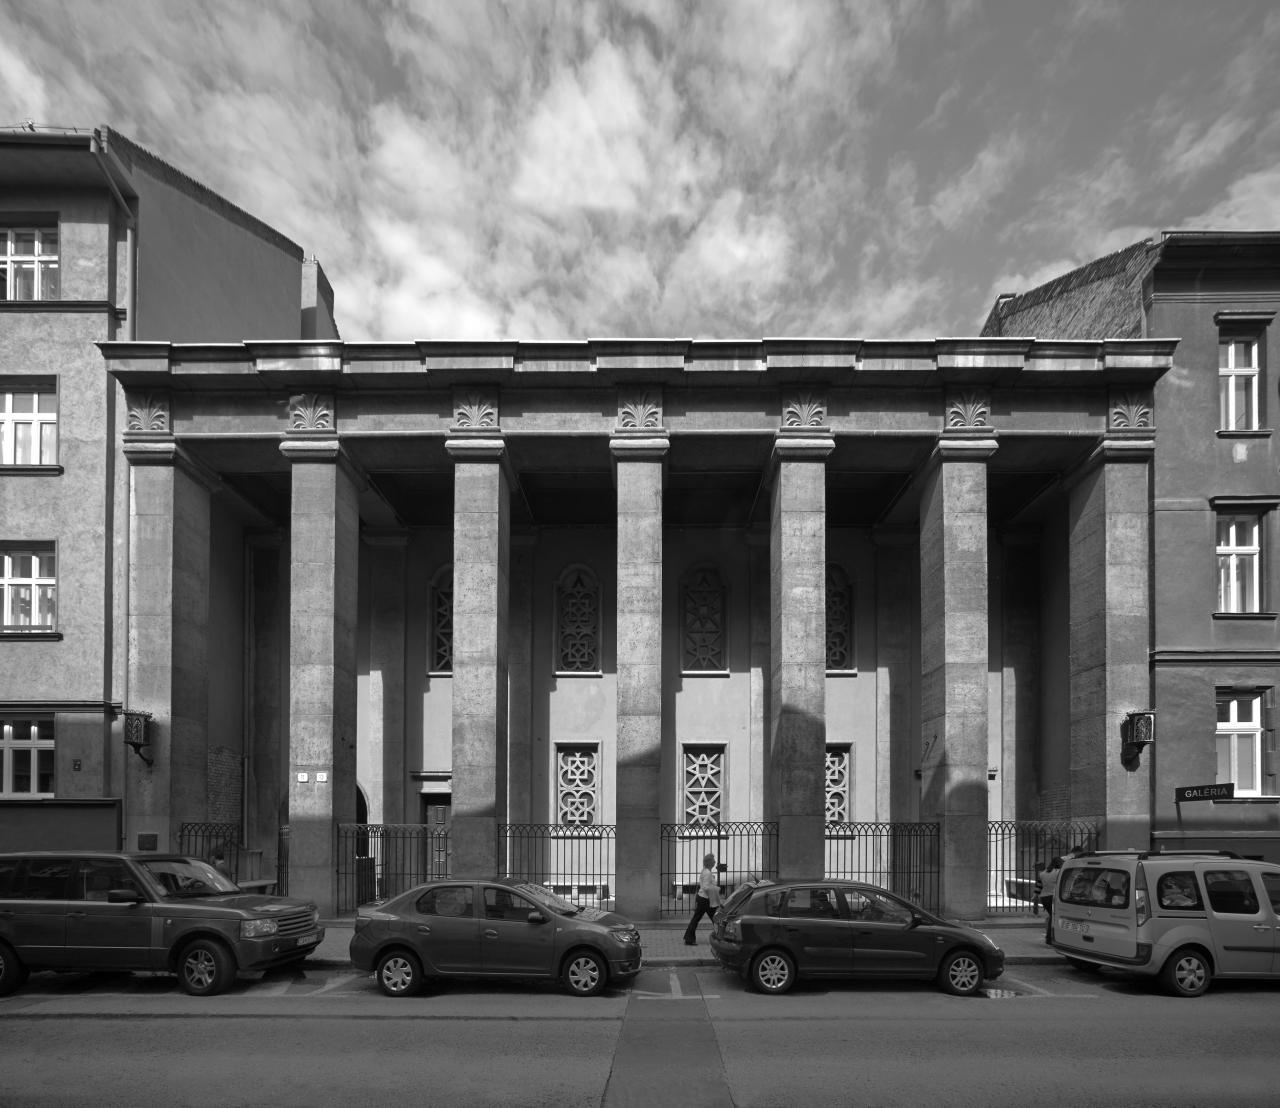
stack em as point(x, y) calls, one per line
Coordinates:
point(1185, 917)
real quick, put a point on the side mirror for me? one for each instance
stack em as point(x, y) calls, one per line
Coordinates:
point(537, 917)
point(916, 920)
point(123, 896)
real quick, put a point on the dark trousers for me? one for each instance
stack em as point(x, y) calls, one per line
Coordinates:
point(701, 907)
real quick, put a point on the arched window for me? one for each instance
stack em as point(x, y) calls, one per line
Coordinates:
point(578, 621)
point(702, 603)
point(839, 621)
point(440, 649)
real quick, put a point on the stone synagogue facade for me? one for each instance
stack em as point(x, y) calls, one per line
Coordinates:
point(642, 582)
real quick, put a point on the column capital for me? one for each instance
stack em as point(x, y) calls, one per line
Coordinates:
point(641, 446)
point(802, 444)
point(964, 448)
point(487, 447)
point(1114, 449)
point(167, 452)
point(301, 450)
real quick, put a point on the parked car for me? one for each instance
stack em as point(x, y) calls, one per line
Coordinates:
point(772, 932)
point(499, 927)
point(1183, 917)
point(99, 910)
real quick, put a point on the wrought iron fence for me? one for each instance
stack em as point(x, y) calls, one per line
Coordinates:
point(578, 863)
point(900, 857)
point(1017, 849)
point(380, 860)
point(743, 851)
point(282, 861)
point(212, 841)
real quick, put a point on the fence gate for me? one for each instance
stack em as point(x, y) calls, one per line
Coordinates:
point(381, 860)
point(900, 857)
point(1016, 849)
point(577, 862)
point(743, 851)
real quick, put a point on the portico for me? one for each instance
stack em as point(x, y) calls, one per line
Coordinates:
point(643, 582)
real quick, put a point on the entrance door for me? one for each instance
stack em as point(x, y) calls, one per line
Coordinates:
point(437, 816)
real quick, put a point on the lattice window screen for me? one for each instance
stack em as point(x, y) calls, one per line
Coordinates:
point(442, 625)
point(577, 785)
point(578, 622)
point(839, 784)
point(703, 785)
point(839, 620)
point(703, 622)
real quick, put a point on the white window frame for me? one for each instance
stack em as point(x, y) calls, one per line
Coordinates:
point(38, 265)
point(1229, 373)
point(1234, 731)
point(1235, 556)
point(42, 555)
point(42, 425)
point(33, 743)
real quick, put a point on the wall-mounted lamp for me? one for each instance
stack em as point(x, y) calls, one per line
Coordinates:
point(1136, 732)
point(137, 735)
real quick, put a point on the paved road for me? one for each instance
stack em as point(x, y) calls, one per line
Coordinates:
point(680, 1036)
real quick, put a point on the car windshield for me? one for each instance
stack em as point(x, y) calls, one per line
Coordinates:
point(186, 877)
point(545, 896)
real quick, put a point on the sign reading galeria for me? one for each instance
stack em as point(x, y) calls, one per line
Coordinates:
point(1225, 791)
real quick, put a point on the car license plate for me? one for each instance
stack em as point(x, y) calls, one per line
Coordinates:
point(309, 939)
point(1077, 925)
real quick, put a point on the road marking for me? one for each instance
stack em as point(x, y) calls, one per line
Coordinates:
point(676, 993)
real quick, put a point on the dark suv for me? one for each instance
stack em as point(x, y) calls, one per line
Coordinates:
point(82, 910)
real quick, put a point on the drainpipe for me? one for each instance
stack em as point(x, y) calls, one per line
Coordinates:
point(97, 147)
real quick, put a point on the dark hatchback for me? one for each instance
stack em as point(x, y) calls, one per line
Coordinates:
point(497, 927)
point(773, 931)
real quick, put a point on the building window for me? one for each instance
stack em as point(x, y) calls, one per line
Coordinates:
point(1240, 742)
point(1239, 561)
point(702, 800)
point(442, 622)
point(839, 621)
point(839, 784)
point(28, 588)
point(578, 621)
point(29, 426)
point(26, 756)
point(1238, 373)
point(29, 263)
point(703, 623)
point(577, 786)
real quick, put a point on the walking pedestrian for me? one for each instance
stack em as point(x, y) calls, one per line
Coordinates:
point(707, 900)
point(1046, 886)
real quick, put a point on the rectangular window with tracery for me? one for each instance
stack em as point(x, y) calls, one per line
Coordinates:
point(839, 784)
point(442, 624)
point(702, 790)
point(577, 785)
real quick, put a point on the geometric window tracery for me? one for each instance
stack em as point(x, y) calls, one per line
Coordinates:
point(442, 622)
point(839, 784)
point(703, 786)
point(839, 620)
point(703, 619)
point(578, 621)
point(577, 785)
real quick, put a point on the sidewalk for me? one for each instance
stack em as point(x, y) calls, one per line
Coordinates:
point(662, 943)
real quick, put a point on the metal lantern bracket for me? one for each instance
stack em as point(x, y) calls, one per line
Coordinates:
point(137, 734)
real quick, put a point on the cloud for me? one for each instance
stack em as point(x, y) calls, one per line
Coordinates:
point(1250, 204)
point(978, 189)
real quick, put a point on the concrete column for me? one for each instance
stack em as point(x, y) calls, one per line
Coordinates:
point(638, 468)
point(798, 657)
point(954, 660)
point(481, 553)
point(386, 696)
point(266, 666)
point(168, 636)
point(324, 550)
point(897, 582)
point(1020, 676)
point(520, 681)
point(1109, 564)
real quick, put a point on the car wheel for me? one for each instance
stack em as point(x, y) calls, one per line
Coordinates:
point(960, 973)
point(773, 971)
point(585, 973)
point(205, 968)
point(12, 972)
point(1186, 973)
point(400, 973)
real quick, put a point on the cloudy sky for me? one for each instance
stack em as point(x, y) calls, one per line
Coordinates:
point(725, 168)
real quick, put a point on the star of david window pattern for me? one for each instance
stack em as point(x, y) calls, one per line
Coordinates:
point(703, 785)
point(442, 623)
point(839, 784)
point(578, 622)
point(577, 785)
point(839, 620)
point(703, 603)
